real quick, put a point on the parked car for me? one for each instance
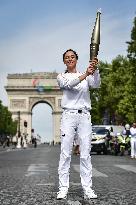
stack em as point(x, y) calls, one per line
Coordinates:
point(101, 135)
point(100, 139)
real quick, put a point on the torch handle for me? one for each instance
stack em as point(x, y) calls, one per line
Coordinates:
point(94, 48)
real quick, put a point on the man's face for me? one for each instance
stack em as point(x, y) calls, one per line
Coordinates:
point(134, 125)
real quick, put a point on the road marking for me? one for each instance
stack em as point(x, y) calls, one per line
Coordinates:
point(127, 167)
point(46, 184)
point(35, 169)
point(53, 184)
point(70, 202)
point(95, 172)
point(75, 184)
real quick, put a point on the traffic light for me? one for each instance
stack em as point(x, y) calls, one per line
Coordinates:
point(32, 130)
point(25, 123)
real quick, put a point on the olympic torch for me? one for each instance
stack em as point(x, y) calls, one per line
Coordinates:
point(95, 39)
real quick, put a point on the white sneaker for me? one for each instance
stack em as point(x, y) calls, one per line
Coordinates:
point(62, 194)
point(89, 194)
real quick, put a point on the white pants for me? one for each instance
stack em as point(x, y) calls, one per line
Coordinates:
point(133, 146)
point(71, 122)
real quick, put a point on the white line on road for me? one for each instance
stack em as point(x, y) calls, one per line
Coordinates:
point(95, 172)
point(75, 184)
point(53, 184)
point(70, 202)
point(46, 184)
point(127, 167)
point(35, 169)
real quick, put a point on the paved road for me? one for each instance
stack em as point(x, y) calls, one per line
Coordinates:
point(29, 177)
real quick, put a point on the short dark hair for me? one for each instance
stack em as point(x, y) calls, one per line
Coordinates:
point(68, 51)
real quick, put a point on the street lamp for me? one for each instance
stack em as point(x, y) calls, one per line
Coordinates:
point(25, 128)
point(18, 124)
point(19, 135)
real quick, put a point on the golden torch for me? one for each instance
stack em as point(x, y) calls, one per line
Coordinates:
point(95, 39)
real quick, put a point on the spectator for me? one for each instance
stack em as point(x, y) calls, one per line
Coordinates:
point(14, 141)
point(133, 140)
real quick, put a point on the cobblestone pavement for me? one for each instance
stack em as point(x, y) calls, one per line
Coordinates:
point(29, 177)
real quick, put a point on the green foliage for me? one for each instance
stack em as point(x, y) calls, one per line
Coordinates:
point(117, 94)
point(132, 44)
point(7, 125)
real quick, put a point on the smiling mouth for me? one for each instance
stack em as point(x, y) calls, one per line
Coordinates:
point(70, 62)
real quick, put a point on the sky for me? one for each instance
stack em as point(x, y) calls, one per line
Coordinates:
point(35, 33)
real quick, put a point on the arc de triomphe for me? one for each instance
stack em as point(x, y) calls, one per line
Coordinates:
point(28, 89)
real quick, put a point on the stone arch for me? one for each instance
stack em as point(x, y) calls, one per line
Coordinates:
point(26, 90)
point(43, 101)
point(34, 102)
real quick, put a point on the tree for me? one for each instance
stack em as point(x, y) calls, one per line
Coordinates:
point(132, 44)
point(7, 125)
point(98, 95)
point(129, 103)
point(116, 97)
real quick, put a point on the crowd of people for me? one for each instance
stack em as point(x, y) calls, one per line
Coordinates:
point(118, 143)
point(18, 141)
